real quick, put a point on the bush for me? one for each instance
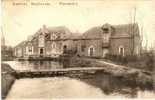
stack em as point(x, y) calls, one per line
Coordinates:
point(144, 61)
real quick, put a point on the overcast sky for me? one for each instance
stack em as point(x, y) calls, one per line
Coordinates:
point(19, 21)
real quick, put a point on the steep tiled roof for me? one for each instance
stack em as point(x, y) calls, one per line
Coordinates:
point(21, 44)
point(94, 32)
point(61, 29)
point(124, 30)
point(73, 36)
point(58, 29)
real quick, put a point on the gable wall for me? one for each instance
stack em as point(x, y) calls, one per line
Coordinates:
point(115, 43)
point(88, 43)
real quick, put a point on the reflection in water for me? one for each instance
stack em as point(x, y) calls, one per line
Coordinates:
point(110, 84)
point(99, 85)
point(34, 65)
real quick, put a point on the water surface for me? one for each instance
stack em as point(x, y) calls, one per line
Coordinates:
point(34, 65)
point(97, 86)
point(62, 87)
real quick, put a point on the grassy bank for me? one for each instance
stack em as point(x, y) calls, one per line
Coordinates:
point(144, 61)
point(7, 79)
point(140, 77)
point(83, 62)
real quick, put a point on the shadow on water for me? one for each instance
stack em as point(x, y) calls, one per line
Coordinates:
point(110, 84)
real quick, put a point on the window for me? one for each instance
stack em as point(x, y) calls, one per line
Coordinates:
point(106, 38)
point(30, 49)
point(41, 51)
point(41, 40)
point(59, 37)
point(53, 45)
point(91, 51)
point(64, 49)
point(53, 36)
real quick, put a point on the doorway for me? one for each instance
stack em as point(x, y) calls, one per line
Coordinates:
point(64, 49)
point(121, 51)
point(41, 51)
point(105, 52)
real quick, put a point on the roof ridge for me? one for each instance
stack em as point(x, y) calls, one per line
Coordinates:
point(63, 26)
point(125, 24)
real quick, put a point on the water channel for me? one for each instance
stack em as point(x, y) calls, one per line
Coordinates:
point(98, 86)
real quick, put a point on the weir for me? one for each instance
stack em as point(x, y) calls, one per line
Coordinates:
point(84, 71)
point(71, 72)
point(138, 78)
point(129, 76)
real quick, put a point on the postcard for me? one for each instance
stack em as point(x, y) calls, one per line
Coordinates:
point(77, 49)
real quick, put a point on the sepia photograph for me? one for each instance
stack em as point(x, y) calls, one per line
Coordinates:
point(77, 49)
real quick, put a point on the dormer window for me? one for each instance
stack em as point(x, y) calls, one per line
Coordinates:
point(105, 30)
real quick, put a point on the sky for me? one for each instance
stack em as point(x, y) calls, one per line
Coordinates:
point(21, 21)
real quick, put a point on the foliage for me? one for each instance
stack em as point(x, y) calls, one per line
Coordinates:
point(144, 61)
point(7, 53)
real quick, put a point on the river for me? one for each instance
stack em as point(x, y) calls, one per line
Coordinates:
point(99, 86)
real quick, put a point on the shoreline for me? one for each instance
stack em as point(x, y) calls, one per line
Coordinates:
point(143, 81)
point(8, 79)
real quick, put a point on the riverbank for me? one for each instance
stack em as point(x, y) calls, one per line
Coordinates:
point(141, 78)
point(110, 78)
point(7, 79)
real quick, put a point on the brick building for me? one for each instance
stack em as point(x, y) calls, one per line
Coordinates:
point(96, 42)
point(110, 39)
point(47, 41)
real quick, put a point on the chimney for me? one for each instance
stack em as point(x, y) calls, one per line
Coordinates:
point(44, 26)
